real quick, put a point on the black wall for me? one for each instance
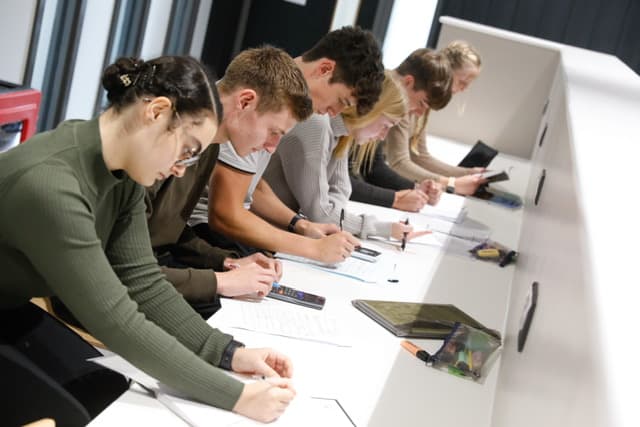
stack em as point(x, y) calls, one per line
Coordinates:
point(609, 26)
point(235, 25)
point(290, 26)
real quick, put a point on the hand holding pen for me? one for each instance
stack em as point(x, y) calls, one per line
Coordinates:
point(265, 400)
point(404, 232)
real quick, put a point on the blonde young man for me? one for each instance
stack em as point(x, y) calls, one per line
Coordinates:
point(343, 69)
point(262, 92)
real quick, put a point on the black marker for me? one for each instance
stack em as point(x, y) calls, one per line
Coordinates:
point(508, 258)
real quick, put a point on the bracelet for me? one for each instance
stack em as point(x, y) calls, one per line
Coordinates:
point(227, 354)
point(292, 224)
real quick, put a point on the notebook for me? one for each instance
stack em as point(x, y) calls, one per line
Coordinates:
point(418, 320)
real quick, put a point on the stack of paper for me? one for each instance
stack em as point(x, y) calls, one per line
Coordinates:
point(276, 318)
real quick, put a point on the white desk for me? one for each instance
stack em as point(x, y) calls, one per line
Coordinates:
point(377, 382)
point(579, 243)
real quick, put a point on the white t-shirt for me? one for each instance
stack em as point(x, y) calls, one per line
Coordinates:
point(254, 163)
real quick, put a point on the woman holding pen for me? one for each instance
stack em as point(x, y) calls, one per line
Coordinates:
point(73, 225)
point(309, 172)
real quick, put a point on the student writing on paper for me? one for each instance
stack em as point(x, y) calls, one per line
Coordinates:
point(343, 68)
point(262, 90)
point(309, 172)
point(73, 225)
point(406, 144)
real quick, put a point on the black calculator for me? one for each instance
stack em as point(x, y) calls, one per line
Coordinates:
point(294, 296)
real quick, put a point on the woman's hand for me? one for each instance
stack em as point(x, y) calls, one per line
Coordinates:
point(410, 200)
point(432, 189)
point(265, 400)
point(468, 184)
point(261, 361)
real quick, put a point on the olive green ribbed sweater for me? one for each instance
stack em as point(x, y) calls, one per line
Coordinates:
point(71, 228)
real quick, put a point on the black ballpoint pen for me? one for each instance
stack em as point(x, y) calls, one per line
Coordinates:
point(341, 218)
point(404, 236)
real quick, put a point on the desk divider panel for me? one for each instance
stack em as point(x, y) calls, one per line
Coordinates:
point(504, 104)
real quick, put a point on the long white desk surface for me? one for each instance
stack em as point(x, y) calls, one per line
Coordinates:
point(377, 382)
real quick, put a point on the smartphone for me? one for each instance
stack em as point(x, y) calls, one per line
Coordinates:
point(295, 296)
point(495, 176)
point(366, 254)
point(503, 198)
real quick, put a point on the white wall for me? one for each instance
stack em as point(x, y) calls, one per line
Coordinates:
point(200, 30)
point(16, 22)
point(156, 30)
point(91, 51)
point(408, 29)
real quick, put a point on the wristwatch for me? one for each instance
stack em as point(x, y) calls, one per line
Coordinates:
point(292, 224)
point(227, 354)
point(451, 185)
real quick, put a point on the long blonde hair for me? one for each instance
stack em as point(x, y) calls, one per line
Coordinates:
point(460, 54)
point(392, 103)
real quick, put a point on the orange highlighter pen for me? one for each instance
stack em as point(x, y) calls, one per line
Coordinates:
point(416, 351)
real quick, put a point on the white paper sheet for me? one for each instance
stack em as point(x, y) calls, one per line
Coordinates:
point(370, 272)
point(284, 319)
point(302, 411)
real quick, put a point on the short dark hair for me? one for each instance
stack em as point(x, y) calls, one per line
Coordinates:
point(431, 72)
point(275, 77)
point(358, 62)
point(183, 79)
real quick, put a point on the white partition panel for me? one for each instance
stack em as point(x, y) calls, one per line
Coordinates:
point(504, 105)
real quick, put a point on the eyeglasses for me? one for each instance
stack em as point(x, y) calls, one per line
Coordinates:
point(189, 156)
